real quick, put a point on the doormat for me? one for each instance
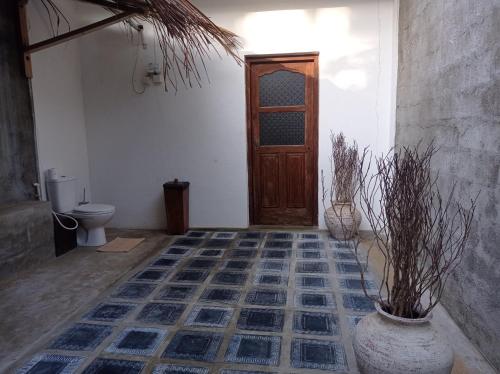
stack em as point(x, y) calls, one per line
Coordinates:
point(121, 245)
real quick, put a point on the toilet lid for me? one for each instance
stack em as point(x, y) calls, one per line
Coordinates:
point(94, 208)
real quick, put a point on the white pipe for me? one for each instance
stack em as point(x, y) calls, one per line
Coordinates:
point(65, 215)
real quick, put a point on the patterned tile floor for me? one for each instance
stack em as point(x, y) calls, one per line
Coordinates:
point(222, 302)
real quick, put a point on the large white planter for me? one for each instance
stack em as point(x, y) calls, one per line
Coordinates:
point(384, 344)
point(343, 221)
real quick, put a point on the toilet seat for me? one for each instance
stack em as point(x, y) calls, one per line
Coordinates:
point(92, 218)
point(93, 209)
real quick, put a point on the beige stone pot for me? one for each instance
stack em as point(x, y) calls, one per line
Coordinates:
point(384, 344)
point(342, 220)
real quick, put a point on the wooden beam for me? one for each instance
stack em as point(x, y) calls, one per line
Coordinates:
point(113, 5)
point(78, 32)
point(23, 27)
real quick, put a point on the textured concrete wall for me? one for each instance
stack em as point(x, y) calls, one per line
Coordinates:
point(26, 236)
point(449, 92)
point(26, 230)
point(18, 170)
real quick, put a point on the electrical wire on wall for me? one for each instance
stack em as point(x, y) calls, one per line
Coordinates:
point(154, 51)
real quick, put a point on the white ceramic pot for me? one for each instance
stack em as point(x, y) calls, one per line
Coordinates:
point(384, 344)
point(342, 220)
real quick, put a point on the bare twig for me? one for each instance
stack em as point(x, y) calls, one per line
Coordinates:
point(54, 11)
point(421, 236)
point(344, 169)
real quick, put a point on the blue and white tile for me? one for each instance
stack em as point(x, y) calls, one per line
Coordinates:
point(273, 266)
point(151, 275)
point(315, 323)
point(161, 313)
point(358, 303)
point(134, 291)
point(82, 337)
point(315, 300)
point(224, 235)
point(271, 280)
point(255, 319)
point(110, 312)
point(178, 369)
point(137, 341)
point(318, 354)
point(52, 363)
point(218, 295)
point(176, 251)
point(177, 292)
point(209, 316)
point(194, 345)
point(187, 242)
point(254, 350)
point(164, 262)
point(266, 297)
point(247, 243)
point(217, 243)
point(307, 281)
point(309, 236)
point(210, 253)
point(198, 234)
point(108, 365)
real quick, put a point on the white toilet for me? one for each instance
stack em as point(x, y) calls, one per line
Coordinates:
point(91, 217)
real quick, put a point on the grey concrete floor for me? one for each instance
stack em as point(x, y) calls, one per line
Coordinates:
point(36, 305)
point(35, 302)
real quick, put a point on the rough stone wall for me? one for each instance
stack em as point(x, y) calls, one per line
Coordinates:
point(449, 91)
point(18, 167)
point(26, 236)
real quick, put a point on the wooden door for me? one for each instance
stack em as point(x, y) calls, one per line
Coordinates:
point(282, 131)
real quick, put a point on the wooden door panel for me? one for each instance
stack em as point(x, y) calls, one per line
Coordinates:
point(282, 138)
point(270, 181)
point(296, 180)
point(285, 216)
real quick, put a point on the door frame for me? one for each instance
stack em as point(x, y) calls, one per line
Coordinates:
point(276, 58)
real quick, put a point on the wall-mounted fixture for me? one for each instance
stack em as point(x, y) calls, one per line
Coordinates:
point(153, 75)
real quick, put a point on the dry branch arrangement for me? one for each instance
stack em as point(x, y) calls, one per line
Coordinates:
point(421, 235)
point(344, 169)
point(341, 217)
point(186, 36)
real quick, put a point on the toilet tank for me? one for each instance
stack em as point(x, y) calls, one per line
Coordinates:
point(62, 193)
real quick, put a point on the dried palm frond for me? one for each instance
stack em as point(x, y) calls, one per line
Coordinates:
point(186, 36)
point(344, 168)
point(55, 16)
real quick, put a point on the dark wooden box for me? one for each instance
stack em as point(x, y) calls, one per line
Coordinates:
point(177, 206)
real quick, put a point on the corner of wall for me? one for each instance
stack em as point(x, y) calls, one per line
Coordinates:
point(395, 67)
point(57, 97)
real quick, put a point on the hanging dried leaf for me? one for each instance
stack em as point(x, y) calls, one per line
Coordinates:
point(186, 36)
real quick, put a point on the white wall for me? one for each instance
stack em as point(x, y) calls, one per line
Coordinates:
point(58, 100)
point(136, 142)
